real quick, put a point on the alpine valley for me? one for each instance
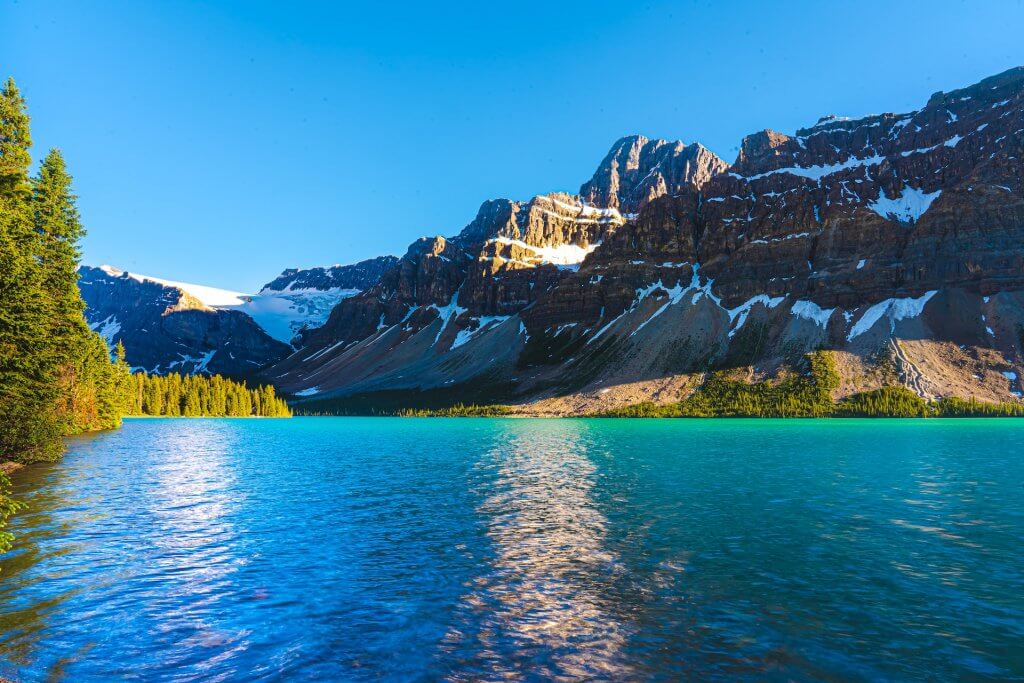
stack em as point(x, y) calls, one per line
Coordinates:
point(896, 241)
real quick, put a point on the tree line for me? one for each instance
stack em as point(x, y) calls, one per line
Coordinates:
point(176, 395)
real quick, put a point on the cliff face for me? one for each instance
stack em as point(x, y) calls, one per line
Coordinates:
point(895, 239)
point(637, 171)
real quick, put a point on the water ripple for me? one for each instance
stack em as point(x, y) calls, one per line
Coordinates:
point(361, 549)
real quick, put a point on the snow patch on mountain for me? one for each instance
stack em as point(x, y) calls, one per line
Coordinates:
point(283, 314)
point(208, 296)
point(566, 256)
point(808, 310)
point(895, 309)
point(108, 328)
point(906, 207)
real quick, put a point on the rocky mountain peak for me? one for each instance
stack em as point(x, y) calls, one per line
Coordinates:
point(638, 170)
point(764, 149)
point(495, 217)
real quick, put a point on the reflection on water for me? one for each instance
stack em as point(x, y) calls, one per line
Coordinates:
point(369, 549)
point(155, 548)
point(193, 494)
point(540, 598)
point(23, 618)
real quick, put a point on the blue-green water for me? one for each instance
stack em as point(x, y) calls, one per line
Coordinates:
point(467, 549)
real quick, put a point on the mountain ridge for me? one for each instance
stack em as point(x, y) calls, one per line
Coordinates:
point(895, 240)
point(808, 236)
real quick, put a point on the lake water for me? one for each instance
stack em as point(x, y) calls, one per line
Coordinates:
point(468, 549)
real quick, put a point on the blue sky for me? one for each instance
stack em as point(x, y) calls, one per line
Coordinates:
point(220, 143)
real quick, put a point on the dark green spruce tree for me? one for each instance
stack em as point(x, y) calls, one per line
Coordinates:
point(29, 428)
point(91, 389)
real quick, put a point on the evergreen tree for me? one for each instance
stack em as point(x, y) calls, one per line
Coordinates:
point(15, 142)
point(29, 428)
point(175, 395)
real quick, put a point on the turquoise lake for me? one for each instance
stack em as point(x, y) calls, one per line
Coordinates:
point(486, 549)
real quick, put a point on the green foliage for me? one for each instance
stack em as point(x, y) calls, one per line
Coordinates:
point(56, 375)
point(459, 410)
point(15, 141)
point(29, 429)
point(885, 402)
point(810, 395)
point(958, 407)
point(804, 394)
point(177, 395)
point(8, 506)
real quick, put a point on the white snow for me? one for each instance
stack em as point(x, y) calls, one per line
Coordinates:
point(675, 295)
point(817, 172)
point(208, 296)
point(952, 141)
point(907, 207)
point(585, 212)
point(895, 309)
point(308, 392)
point(198, 363)
point(324, 351)
point(484, 322)
point(808, 310)
point(108, 328)
point(860, 264)
point(1012, 376)
point(447, 312)
point(797, 235)
point(281, 314)
point(739, 314)
point(566, 256)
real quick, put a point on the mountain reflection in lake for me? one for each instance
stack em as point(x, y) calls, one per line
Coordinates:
point(540, 603)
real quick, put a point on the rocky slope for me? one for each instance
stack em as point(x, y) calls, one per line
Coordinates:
point(897, 240)
point(171, 326)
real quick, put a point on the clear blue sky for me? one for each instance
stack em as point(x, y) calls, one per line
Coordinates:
point(222, 142)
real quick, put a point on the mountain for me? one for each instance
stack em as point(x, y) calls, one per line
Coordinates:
point(169, 326)
point(637, 171)
point(896, 240)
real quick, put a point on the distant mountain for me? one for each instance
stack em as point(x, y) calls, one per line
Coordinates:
point(357, 276)
point(897, 240)
point(170, 326)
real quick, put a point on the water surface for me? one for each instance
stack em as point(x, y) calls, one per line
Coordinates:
point(468, 549)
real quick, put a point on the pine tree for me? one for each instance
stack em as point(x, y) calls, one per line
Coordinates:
point(28, 391)
point(15, 142)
